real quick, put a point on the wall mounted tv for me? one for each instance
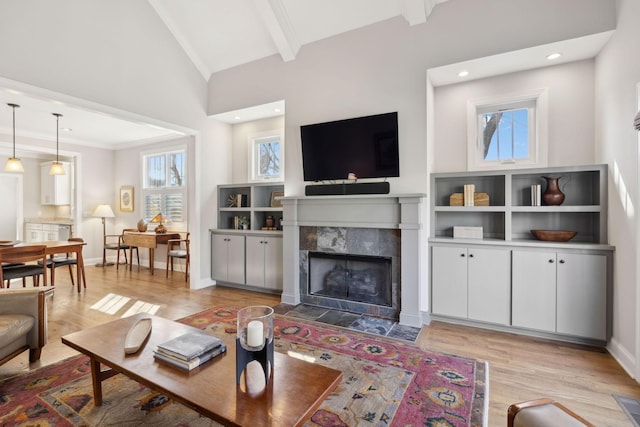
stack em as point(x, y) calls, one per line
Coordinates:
point(364, 146)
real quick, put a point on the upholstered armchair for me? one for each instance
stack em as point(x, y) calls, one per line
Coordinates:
point(23, 322)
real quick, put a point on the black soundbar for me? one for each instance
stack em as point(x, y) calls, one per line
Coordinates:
point(347, 189)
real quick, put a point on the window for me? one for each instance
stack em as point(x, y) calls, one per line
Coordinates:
point(266, 160)
point(164, 185)
point(507, 132)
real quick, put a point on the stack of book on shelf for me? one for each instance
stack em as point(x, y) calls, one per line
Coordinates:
point(190, 350)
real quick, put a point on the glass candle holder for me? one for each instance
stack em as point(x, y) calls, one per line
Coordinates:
point(255, 327)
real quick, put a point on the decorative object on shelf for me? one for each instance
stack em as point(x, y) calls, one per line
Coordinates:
point(160, 220)
point(142, 225)
point(243, 222)
point(554, 235)
point(232, 200)
point(462, 232)
point(254, 340)
point(269, 221)
point(56, 167)
point(552, 196)
point(13, 163)
point(536, 197)
point(126, 198)
point(242, 201)
point(479, 199)
point(469, 191)
point(104, 211)
point(275, 203)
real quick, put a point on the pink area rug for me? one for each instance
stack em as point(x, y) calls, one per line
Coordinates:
point(385, 382)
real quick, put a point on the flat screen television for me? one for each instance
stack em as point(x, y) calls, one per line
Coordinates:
point(364, 146)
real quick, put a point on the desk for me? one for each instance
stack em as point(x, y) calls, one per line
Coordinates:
point(62, 247)
point(147, 239)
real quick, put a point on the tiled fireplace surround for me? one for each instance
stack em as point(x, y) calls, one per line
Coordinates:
point(386, 225)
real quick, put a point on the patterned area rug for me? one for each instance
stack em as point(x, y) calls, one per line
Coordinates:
point(385, 382)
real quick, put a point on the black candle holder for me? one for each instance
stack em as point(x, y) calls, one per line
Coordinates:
point(263, 356)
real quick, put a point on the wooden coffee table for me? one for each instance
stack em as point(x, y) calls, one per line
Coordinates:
point(295, 392)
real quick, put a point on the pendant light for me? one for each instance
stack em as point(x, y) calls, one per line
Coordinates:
point(14, 164)
point(56, 167)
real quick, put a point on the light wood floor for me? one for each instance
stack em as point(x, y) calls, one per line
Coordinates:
point(520, 368)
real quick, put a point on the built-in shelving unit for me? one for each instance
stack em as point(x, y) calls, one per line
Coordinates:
point(258, 200)
point(510, 215)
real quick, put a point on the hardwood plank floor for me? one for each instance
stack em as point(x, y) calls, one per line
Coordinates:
point(520, 368)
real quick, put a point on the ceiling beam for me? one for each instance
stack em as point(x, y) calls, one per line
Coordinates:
point(417, 11)
point(275, 18)
point(197, 61)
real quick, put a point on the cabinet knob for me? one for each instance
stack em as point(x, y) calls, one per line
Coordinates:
point(470, 255)
point(561, 261)
point(550, 261)
point(462, 255)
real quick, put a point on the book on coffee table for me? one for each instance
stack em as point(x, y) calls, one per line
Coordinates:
point(192, 363)
point(189, 345)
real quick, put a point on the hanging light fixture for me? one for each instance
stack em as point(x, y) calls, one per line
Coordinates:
point(14, 164)
point(56, 167)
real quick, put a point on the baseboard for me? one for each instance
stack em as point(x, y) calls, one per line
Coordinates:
point(623, 357)
point(347, 189)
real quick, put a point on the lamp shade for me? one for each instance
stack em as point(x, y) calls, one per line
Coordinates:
point(103, 211)
point(13, 165)
point(56, 169)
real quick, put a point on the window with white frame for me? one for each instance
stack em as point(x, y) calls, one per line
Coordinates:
point(266, 158)
point(164, 189)
point(508, 131)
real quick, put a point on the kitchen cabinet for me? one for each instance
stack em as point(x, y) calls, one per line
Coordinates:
point(264, 262)
point(227, 257)
point(471, 283)
point(560, 292)
point(55, 189)
point(41, 232)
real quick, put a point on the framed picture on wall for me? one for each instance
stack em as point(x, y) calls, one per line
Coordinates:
point(276, 203)
point(126, 198)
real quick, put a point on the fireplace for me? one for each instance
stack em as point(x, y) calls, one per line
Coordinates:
point(360, 278)
point(378, 226)
point(351, 269)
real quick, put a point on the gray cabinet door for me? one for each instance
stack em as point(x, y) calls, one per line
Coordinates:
point(219, 256)
point(255, 261)
point(534, 290)
point(449, 281)
point(489, 285)
point(582, 292)
point(272, 263)
point(235, 260)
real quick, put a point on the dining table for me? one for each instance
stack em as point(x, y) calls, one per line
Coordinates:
point(55, 247)
point(146, 239)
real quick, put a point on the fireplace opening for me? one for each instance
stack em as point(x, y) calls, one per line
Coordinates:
point(360, 278)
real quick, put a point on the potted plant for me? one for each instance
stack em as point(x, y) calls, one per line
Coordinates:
point(243, 221)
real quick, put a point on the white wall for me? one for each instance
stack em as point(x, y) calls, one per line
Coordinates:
point(617, 74)
point(571, 109)
point(112, 52)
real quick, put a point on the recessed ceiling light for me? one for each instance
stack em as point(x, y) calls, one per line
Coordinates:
point(277, 110)
point(66, 129)
point(237, 117)
point(555, 55)
point(463, 73)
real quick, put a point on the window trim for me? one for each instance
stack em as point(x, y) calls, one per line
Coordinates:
point(166, 190)
point(538, 146)
point(254, 140)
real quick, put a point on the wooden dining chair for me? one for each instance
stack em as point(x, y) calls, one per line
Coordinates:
point(115, 242)
point(69, 260)
point(25, 263)
point(179, 248)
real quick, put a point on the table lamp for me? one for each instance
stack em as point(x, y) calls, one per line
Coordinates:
point(104, 211)
point(160, 220)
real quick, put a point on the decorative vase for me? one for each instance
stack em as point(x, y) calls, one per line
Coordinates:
point(270, 222)
point(142, 226)
point(552, 195)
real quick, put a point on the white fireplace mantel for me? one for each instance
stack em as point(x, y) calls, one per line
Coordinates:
point(402, 211)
